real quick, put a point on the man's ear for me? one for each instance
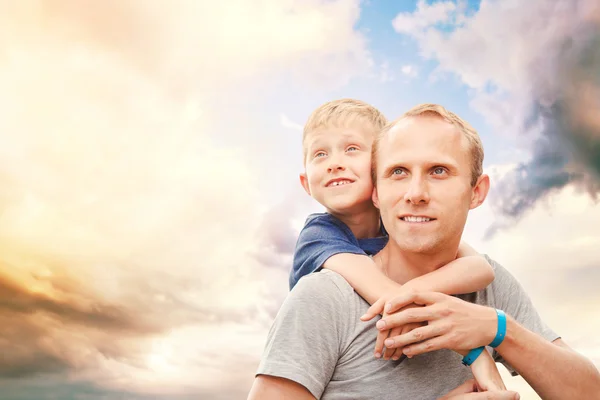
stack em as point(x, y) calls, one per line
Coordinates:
point(375, 198)
point(304, 182)
point(480, 191)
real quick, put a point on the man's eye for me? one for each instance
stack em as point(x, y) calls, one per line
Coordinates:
point(319, 154)
point(352, 148)
point(398, 171)
point(439, 171)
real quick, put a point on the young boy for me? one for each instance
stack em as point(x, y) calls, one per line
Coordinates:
point(337, 158)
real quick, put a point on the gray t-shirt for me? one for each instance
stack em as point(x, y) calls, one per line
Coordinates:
point(318, 341)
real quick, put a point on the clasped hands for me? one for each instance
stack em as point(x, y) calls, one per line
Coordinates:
point(415, 322)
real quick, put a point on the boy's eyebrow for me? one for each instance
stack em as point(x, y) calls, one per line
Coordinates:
point(345, 136)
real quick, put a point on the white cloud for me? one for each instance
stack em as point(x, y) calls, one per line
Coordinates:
point(286, 122)
point(410, 71)
point(117, 194)
point(385, 74)
point(494, 48)
point(425, 16)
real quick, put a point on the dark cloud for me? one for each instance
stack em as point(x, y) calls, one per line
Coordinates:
point(18, 299)
point(566, 107)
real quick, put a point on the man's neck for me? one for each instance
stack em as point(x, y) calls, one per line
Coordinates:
point(403, 266)
point(363, 224)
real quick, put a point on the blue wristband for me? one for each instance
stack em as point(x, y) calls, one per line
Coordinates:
point(472, 356)
point(501, 333)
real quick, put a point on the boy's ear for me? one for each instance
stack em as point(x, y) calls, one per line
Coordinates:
point(375, 198)
point(304, 183)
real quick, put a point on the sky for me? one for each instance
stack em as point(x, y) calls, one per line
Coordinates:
point(149, 191)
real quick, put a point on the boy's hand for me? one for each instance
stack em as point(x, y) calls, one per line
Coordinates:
point(470, 391)
point(395, 353)
point(486, 373)
point(378, 308)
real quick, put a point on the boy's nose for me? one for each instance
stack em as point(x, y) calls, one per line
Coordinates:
point(335, 167)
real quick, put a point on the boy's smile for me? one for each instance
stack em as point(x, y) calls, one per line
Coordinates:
point(337, 182)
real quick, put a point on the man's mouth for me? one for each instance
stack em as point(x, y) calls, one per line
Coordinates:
point(411, 218)
point(339, 182)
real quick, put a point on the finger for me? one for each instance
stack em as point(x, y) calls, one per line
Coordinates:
point(433, 344)
point(398, 349)
point(405, 317)
point(388, 353)
point(417, 335)
point(381, 336)
point(374, 310)
point(411, 296)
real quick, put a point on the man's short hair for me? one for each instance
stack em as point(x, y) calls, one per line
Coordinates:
point(436, 110)
point(343, 112)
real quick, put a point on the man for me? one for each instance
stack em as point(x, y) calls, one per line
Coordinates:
point(427, 169)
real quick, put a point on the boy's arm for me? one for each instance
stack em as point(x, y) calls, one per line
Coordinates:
point(361, 272)
point(469, 273)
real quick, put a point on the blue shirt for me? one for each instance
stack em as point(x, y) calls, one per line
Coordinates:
point(323, 236)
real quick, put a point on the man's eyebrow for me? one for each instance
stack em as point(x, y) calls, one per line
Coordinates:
point(451, 165)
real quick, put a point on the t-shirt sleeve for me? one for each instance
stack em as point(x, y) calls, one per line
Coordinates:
point(320, 239)
point(308, 334)
point(510, 297)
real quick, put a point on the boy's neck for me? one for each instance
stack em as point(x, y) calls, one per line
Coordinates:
point(402, 266)
point(364, 224)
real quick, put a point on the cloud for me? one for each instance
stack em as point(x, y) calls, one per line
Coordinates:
point(425, 16)
point(409, 71)
point(385, 75)
point(286, 122)
point(553, 252)
point(535, 72)
point(127, 229)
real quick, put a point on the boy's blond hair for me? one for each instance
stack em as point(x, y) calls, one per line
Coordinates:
point(436, 110)
point(343, 112)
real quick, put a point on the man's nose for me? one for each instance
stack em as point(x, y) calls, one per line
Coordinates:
point(418, 191)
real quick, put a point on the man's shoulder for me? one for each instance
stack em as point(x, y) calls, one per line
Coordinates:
point(324, 283)
point(502, 277)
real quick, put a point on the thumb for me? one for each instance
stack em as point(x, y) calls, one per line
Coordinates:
point(374, 310)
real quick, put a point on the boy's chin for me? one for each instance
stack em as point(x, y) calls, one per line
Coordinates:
point(348, 207)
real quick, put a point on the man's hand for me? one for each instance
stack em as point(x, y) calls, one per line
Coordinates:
point(468, 391)
point(451, 323)
point(376, 309)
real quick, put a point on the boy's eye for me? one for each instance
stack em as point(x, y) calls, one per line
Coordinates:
point(352, 148)
point(397, 171)
point(439, 170)
point(319, 154)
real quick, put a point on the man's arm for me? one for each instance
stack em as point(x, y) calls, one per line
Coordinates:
point(266, 387)
point(553, 369)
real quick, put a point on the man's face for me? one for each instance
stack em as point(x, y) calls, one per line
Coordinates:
point(338, 169)
point(424, 188)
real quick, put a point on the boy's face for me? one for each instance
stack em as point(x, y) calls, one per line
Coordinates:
point(338, 168)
